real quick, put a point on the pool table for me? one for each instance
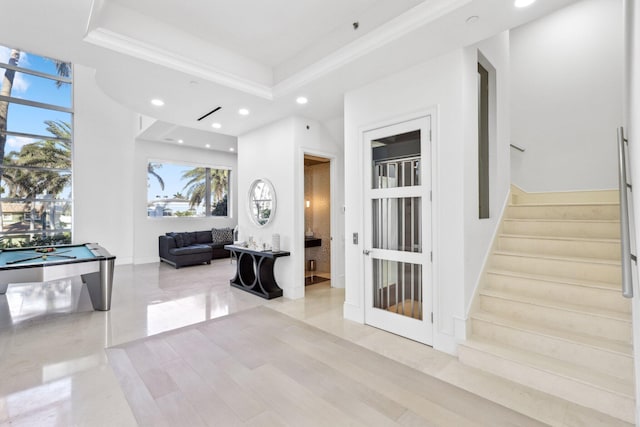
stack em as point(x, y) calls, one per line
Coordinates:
point(90, 261)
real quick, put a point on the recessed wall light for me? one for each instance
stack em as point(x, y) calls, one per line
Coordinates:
point(232, 149)
point(301, 100)
point(180, 141)
point(523, 3)
point(243, 112)
point(216, 125)
point(208, 145)
point(157, 102)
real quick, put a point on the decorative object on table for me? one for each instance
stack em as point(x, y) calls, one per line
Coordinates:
point(275, 242)
point(236, 233)
point(308, 233)
point(45, 250)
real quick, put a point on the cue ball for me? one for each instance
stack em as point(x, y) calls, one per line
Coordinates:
point(44, 257)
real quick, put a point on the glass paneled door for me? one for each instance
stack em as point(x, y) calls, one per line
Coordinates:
point(397, 240)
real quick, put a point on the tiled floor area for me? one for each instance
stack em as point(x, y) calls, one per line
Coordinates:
point(54, 371)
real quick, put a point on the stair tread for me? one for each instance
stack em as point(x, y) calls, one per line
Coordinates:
point(588, 221)
point(564, 238)
point(549, 204)
point(621, 387)
point(576, 308)
point(619, 347)
point(559, 257)
point(608, 286)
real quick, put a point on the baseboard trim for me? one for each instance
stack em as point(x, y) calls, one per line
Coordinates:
point(353, 313)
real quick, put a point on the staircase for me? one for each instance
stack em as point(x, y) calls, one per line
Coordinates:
point(549, 313)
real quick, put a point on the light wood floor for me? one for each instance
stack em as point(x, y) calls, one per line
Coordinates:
point(261, 367)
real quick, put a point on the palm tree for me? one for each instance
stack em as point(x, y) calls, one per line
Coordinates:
point(151, 170)
point(7, 86)
point(196, 185)
point(53, 154)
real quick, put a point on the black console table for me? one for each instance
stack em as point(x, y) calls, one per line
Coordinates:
point(254, 271)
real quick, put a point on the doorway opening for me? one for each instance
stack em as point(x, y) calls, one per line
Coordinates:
point(317, 220)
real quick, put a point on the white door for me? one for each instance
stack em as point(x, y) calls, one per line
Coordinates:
point(397, 238)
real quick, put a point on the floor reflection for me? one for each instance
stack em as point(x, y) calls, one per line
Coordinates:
point(30, 301)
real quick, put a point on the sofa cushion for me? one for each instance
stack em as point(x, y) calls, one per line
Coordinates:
point(203, 237)
point(189, 238)
point(178, 238)
point(192, 249)
point(221, 236)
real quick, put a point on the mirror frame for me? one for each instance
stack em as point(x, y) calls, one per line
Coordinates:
point(250, 204)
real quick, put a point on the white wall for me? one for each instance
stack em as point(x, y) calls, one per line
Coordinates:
point(148, 229)
point(567, 98)
point(102, 168)
point(447, 85)
point(479, 233)
point(276, 152)
point(434, 84)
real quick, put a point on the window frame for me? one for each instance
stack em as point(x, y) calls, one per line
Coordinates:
point(208, 191)
point(44, 232)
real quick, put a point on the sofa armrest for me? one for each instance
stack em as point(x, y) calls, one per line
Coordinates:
point(164, 244)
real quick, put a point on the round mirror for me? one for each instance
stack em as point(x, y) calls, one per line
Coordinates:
point(262, 202)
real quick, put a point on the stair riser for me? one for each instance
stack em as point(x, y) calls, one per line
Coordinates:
point(567, 248)
point(594, 359)
point(610, 299)
point(574, 322)
point(601, 400)
point(594, 230)
point(591, 212)
point(561, 268)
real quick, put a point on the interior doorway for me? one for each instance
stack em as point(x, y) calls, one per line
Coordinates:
point(397, 237)
point(317, 220)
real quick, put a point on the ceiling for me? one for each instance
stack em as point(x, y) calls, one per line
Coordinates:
point(254, 54)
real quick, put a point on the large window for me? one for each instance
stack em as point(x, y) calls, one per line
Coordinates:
point(36, 128)
point(186, 190)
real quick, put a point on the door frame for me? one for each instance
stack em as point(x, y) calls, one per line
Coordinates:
point(333, 220)
point(433, 112)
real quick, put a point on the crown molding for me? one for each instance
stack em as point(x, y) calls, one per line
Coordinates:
point(102, 37)
point(410, 21)
point(398, 27)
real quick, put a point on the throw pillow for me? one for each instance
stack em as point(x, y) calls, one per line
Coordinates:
point(221, 235)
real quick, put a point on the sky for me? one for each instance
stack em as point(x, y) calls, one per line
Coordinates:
point(171, 175)
point(27, 119)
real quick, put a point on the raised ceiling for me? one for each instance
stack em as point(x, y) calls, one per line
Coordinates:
point(256, 54)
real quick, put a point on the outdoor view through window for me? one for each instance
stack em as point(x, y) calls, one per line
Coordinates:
point(36, 128)
point(186, 190)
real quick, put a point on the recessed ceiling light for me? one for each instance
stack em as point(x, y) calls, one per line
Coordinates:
point(216, 125)
point(157, 102)
point(523, 3)
point(208, 146)
point(301, 100)
point(232, 149)
point(180, 141)
point(243, 112)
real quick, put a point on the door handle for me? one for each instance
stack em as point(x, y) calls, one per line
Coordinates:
point(366, 252)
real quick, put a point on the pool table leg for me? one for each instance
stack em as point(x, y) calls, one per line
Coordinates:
point(100, 284)
point(3, 288)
